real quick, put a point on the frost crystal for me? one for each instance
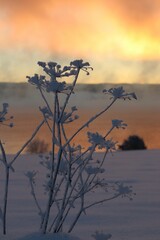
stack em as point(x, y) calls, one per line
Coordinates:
point(125, 191)
point(42, 64)
point(54, 71)
point(46, 112)
point(120, 93)
point(55, 86)
point(63, 167)
point(74, 108)
point(68, 117)
point(36, 80)
point(110, 145)
point(96, 138)
point(79, 64)
point(3, 114)
point(118, 124)
point(31, 175)
point(99, 140)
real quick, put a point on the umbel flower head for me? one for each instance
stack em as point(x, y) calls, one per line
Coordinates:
point(119, 93)
point(96, 138)
point(3, 113)
point(49, 85)
point(79, 64)
point(101, 142)
point(118, 123)
point(124, 191)
point(31, 175)
point(54, 71)
point(68, 116)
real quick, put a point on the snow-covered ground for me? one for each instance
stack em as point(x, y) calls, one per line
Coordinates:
point(125, 220)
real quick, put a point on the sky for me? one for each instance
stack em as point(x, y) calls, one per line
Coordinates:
point(119, 38)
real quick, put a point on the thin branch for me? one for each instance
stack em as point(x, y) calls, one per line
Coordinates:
point(5, 200)
point(35, 199)
point(45, 100)
point(50, 196)
point(25, 145)
point(68, 96)
point(81, 207)
point(102, 201)
point(4, 212)
point(90, 121)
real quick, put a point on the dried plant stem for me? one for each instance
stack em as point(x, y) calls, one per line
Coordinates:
point(7, 170)
point(26, 144)
point(78, 214)
point(81, 193)
point(60, 215)
point(35, 199)
point(49, 203)
point(81, 169)
point(45, 100)
point(69, 95)
point(102, 201)
point(81, 206)
point(82, 209)
point(90, 121)
point(8, 167)
point(68, 183)
point(6, 186)
point(75, 182)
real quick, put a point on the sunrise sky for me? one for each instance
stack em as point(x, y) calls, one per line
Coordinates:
point(120, 38)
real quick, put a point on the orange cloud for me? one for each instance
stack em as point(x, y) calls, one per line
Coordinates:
point(60, 27)
point(107, 32)
point(125, 28)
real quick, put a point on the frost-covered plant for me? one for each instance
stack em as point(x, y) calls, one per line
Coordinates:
point(4, 119)
point(72, 173)
point(8, 165)
point(3, 116)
